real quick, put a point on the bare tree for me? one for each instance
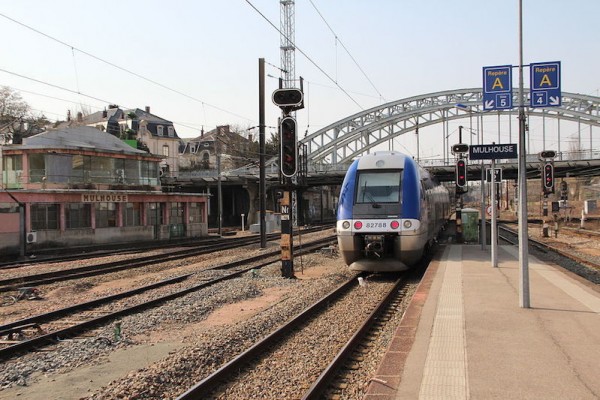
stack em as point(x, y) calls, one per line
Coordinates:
point(16, 117)
point(12, 106)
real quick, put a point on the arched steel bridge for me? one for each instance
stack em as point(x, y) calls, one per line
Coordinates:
point(334, 146)
point(330, 150)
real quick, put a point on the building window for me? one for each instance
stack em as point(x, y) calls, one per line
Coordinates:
point(106, 215)
point(7, 208)
point(196, 213)
point(78, 215)
point(154, 214)
point(166, 150)
point(159, 130)
point(13, 168)
point(37, 167)
point(205, 160)
point(176, 213)
point(44, 217)
point(171, 131)
point(131, 214)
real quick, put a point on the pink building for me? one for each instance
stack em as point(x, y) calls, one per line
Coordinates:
point(81, 186)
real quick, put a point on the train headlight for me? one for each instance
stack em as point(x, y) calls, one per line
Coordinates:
point(394, 224)
point(345, 224)
point(407, 224)
point(357, 225)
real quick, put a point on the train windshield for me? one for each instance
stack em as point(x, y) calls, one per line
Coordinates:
point(378, 187)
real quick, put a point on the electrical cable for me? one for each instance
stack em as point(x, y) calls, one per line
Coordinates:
point(304, 54)
point(126, 70)
point(347, 51)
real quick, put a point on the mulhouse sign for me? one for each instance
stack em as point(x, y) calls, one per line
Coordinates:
point(104, 197)
point(492, 151)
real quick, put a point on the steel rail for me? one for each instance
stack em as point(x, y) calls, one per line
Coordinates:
point(202, 388)
point(544, 247)
point(104, 268)
point(108, 250)
point(113, 266)
point(51, 337)
point(320, 385)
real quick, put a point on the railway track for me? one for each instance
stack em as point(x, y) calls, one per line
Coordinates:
point(583, 267)
point(9, 284)
point(58, 255)
point(201, 280)
point(323, 332)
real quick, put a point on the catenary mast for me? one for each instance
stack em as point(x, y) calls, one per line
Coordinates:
point(288, 58)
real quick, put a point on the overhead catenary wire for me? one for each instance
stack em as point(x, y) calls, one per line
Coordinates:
point(304, 54)
point(337, 38)
point(53, 85)
point(73, 48)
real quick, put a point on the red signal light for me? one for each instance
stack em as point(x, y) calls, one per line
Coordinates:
point(461, 173)
point(289, 147)
point(548, 177)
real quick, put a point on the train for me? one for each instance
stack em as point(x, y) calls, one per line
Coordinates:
point(390, 211)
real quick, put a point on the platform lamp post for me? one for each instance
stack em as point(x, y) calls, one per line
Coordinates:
point(524, 300)
point(262, 190)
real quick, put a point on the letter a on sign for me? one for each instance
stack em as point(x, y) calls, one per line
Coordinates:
point(497, 84)
point(545, 81)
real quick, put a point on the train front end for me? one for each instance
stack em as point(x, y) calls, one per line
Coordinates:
point(378, 220)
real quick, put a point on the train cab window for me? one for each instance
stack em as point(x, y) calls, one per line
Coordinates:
point(378, 187)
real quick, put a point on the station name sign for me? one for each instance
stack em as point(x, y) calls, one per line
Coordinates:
point(104, 198)
point(492, 151)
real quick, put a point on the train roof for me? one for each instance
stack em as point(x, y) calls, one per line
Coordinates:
point(384, 159)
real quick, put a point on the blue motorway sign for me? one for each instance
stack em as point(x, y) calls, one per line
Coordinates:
point(545, 84)
point(497, 87)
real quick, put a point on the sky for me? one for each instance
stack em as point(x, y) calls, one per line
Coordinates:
point(195, 62)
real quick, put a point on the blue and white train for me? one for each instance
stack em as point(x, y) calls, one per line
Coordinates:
point(390, 212)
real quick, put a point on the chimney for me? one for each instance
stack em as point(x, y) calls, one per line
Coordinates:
point(148, 109)
point(79, 116)
point(249, 137)
point(202, 132)
point(104, 113)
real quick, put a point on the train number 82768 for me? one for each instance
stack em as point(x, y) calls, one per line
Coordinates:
point(376, 225)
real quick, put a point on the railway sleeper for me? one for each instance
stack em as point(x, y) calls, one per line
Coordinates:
point(18, 330)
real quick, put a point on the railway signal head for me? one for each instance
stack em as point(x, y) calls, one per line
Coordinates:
point(460, 148)
point(564, 191)
point(288, 99)
point(548, 178)
point(461, 176)
point(547, 154)
point(289, 147)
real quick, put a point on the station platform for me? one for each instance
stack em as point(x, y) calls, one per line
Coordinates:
point(465, 336)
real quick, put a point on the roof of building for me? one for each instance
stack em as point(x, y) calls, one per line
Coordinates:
point(114, 114)
point(80, 137)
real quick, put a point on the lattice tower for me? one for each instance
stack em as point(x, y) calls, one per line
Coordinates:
point(288, 58)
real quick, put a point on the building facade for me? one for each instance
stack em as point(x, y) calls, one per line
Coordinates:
point(83, 186)
point(140, 128)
